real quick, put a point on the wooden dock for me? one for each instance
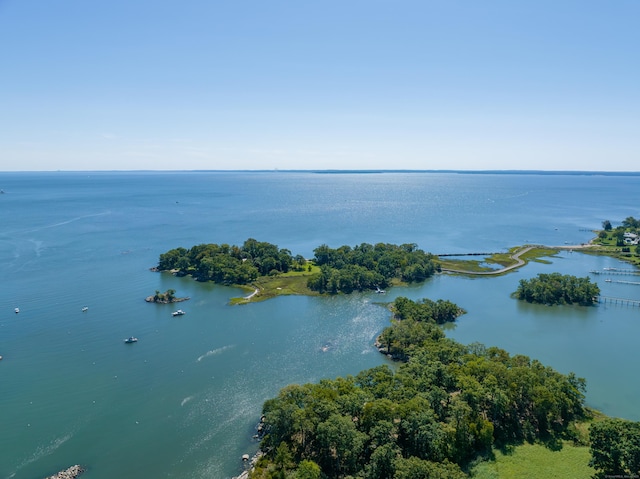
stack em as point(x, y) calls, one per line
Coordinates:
point(637, 283)
point(617, 271)
point(620, 301)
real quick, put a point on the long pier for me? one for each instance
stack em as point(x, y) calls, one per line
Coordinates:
point(637, 283)
point(617, 271)
point(621, 301)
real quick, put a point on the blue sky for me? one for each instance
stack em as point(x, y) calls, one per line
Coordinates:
point(332, 84)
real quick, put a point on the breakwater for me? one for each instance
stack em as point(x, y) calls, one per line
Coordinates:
point(70, 473)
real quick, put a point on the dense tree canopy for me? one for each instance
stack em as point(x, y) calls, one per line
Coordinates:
point(343, 270)
point(615, 448)
point(230, 264)
point(367, 266)
point(446, 405)
point(556, 288)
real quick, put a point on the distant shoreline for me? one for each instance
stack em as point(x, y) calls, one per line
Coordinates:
point(463, 172)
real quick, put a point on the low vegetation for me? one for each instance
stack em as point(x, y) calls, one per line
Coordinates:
point(496, 261)
point(535, 461)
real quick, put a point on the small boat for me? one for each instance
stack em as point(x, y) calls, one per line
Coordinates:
point(130, 340)
point(380, 291)
point(85, 309)
point(17, 310)
point(178, 313)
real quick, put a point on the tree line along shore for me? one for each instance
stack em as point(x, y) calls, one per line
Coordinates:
point(448, 406)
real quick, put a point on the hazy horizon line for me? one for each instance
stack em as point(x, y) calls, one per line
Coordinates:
point(348, 171)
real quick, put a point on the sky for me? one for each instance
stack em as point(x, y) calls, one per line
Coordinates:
point(331, 84)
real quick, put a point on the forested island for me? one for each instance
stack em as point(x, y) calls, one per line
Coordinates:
point(169, 296)
point(332, 270)
point(556, 288)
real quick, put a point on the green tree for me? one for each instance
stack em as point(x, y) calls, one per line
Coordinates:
point(615, 447)
point(382, 462)
point(341, 445)
point(606, 225)
point(308, 470)
point(415, 468)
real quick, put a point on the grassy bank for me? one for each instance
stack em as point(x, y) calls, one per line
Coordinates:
point(535, 461)
point(607, 245)
point(497, 261)
point(293, 282)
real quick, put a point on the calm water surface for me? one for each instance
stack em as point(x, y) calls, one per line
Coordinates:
point(183, 401)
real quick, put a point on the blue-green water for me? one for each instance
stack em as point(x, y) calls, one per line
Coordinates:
point(183, 401)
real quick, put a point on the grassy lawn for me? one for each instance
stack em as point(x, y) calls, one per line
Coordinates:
point(607, 245)
point(293, 282)
point(534, 461)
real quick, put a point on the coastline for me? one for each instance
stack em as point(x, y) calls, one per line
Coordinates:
point(251, 466)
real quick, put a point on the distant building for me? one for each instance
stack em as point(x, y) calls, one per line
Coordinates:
point(631, 239)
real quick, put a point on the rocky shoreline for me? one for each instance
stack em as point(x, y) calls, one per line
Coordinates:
point(151, 299)
point(251, 465)
point(70, 473)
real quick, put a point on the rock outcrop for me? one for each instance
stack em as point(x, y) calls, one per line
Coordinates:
point(71, 473)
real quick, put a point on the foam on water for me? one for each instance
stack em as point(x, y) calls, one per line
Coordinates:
point(214, 352)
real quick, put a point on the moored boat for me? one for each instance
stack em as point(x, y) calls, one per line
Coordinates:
point(131, 339)
point(178, 313)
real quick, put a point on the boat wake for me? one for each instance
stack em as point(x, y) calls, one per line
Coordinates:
point(213, 352)
point(186, 400)
point(62, 223)
point(42, 451)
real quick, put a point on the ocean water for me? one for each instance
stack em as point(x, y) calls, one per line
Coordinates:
point(184, 400)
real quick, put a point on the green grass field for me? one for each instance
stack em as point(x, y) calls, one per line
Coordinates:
point(534, 461)
point(293, 282)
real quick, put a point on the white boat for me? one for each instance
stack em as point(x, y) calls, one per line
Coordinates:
point(178, 313)
point(85, 309)
point(17, 310)
point(131, 339)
